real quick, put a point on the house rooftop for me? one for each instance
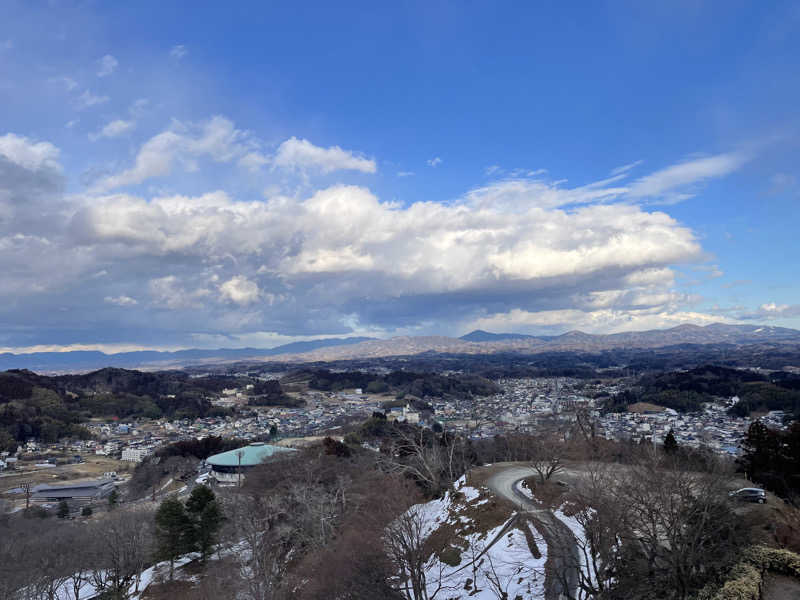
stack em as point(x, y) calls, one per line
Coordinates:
point(251, 455)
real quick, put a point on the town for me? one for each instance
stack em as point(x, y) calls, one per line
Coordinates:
point(522, 405)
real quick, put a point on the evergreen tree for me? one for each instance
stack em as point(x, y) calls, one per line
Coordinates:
point(174, 532)
point(113, 499)
point(206, 515)
point(670, 443)
point(759, 451)
point(200, 496)
point(63, 510)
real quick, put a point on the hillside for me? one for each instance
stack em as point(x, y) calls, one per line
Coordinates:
point(48, 408)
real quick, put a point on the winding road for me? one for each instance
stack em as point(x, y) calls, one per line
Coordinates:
point(563, 556)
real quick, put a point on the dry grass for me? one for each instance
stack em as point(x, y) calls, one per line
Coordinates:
point(640, 407)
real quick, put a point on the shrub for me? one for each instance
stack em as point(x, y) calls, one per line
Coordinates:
point(746, 577)
point(776, 560)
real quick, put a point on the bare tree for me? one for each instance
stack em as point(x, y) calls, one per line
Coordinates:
point(597, 502)
point(261, 528)
point(405, 540)
point(680, 523)
point(545, 455)
point(418, 453)
point(121, 549)
point(52, 562)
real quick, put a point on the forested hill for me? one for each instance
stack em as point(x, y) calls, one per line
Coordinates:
point(48, 408)
point(687, 390)
point(417, 384)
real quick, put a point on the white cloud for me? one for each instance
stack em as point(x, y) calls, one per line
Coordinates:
point(625, 168)
point(139, 107)
point(68, 83)
point(28, 154)
point(178, 51)
point(434, 162)
point(520, 194)
point(170, 293)
point(254, 161)
point(87, 99)
point(240, 290)
point(593, 321)
point(216, 139)
point(302, 155)
point(671, 183)
point(359, 247)
point(405, 173)
point(540, 253)
point(120, 300)
point(106, 65)
point(113, 129)
point(772, 310)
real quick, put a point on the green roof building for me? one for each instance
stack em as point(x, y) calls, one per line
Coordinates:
point(226, 467)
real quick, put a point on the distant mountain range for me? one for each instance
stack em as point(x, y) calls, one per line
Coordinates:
point(484, 336)
point(483, 342)
point(86, 360)
point(475, 342)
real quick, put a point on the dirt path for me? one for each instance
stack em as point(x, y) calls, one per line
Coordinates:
point(563, 557)
point(780, 587)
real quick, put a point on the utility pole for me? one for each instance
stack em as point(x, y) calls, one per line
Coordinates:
point(239, 454)
point(26, 487)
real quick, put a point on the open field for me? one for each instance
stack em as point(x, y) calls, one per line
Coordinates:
point(92, 469)
point(642, 407)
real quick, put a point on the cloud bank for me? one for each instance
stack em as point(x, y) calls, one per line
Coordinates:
point(514, 254)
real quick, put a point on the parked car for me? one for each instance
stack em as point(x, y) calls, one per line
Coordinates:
point(749, 495)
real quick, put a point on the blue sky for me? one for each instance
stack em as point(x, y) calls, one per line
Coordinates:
point(187, 175)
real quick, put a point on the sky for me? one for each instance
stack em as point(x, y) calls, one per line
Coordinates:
point(197, 174)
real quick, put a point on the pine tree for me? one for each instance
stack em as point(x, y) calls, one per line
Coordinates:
point(206, 515)
point(113, 499)
point(63, 510)
point(174, 532)
point(670, 443)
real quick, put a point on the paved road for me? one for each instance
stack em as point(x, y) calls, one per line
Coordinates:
point(563, 556)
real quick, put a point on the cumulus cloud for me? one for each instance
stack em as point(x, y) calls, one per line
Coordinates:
point(254, 161)
point(30, 155)
point(771, 310)
point(344, 255)
point(170, 292)
point(106, 65)
point(216, 138)
point(513, 254)
point(302, 155)
point(597, 321)
point(240, 290)
point(434, 162)
point(113, 129)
